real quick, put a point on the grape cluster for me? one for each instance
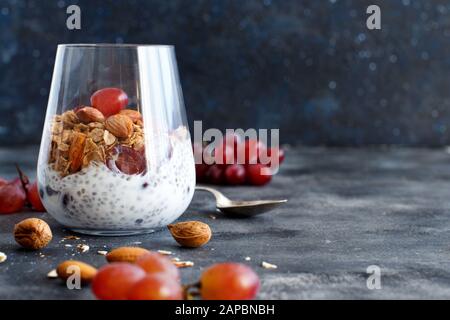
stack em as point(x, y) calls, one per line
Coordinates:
point(17, 193)
point(235, 162)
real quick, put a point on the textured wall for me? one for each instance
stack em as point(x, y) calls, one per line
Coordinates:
point(310, 68)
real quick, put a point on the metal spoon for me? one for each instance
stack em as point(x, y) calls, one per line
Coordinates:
point(241, 208)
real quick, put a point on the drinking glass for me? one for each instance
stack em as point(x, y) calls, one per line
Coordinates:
point(116, 155)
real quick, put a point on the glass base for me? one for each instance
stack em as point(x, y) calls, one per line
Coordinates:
point(112, 233)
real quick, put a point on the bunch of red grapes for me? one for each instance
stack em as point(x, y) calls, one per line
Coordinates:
point(228, 170)
point(154, 277)
point(17, 193)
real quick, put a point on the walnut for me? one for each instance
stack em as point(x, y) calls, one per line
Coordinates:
point(32, 233)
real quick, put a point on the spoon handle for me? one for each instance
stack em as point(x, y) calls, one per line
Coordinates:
point(220, 198)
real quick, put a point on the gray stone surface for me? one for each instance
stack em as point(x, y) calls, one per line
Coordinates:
point(347, 209)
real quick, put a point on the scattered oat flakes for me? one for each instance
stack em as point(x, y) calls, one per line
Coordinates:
point(67, 245)
point(175, 259)
point(247, 258)
point(3, 257)
point(165, 252)
point(213, 217)
point(83, 248)
point(267, 265)
point(102, 252)
point(183, 264)
point(52, 274)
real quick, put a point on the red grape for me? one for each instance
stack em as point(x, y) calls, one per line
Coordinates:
point(224, 154)
point(3, 181)
point(214, 174)
point(232, 139)
point(12, 196)
point(255, 176)
point(154, 262)
point(229, 281)
point(114, 281)
point(127, 160)
point(235, 174)
point(33, 197)
point(253, 150)
point(156, 287)
point(200, 171)
point(109, 100)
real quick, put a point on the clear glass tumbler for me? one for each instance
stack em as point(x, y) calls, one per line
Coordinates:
point(116, 155)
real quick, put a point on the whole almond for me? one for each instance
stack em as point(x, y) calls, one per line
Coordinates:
point(119, 125)
point(190, 234)
point(69, 267)
point(134, 115)
point(89, 114)
point(126, 254)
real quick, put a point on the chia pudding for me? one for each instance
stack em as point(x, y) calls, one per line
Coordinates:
point(98, 173)
point(100, 198)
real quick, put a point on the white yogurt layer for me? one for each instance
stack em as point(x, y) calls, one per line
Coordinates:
point(97, 198)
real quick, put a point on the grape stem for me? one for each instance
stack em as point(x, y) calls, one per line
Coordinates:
point(191, 291)
point(24, 181)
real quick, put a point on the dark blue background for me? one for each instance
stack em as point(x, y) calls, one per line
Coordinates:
point(311, 68)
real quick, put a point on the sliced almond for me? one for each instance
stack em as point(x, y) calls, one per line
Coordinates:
point(126, 254)
point(76, 151)
point(52, 274)
point(165, 252)
point(3, 257)
point(267, 265)
point(183, 264)
point(83, 248)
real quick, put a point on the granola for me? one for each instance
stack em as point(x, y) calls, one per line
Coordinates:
point(76, 144)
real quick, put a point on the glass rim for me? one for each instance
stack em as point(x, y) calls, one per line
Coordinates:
point(113, 45)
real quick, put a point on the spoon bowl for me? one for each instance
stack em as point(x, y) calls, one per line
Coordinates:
point(241, 208)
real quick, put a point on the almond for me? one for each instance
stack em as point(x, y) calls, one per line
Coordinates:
point(76, 151)
point(69, 267)
point(89, 114)
point(119, 125)
point(134, 115)
point(191, 234)
point(126, 254)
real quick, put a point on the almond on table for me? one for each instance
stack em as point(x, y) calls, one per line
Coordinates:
point(67, 268)
point(126, 254)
